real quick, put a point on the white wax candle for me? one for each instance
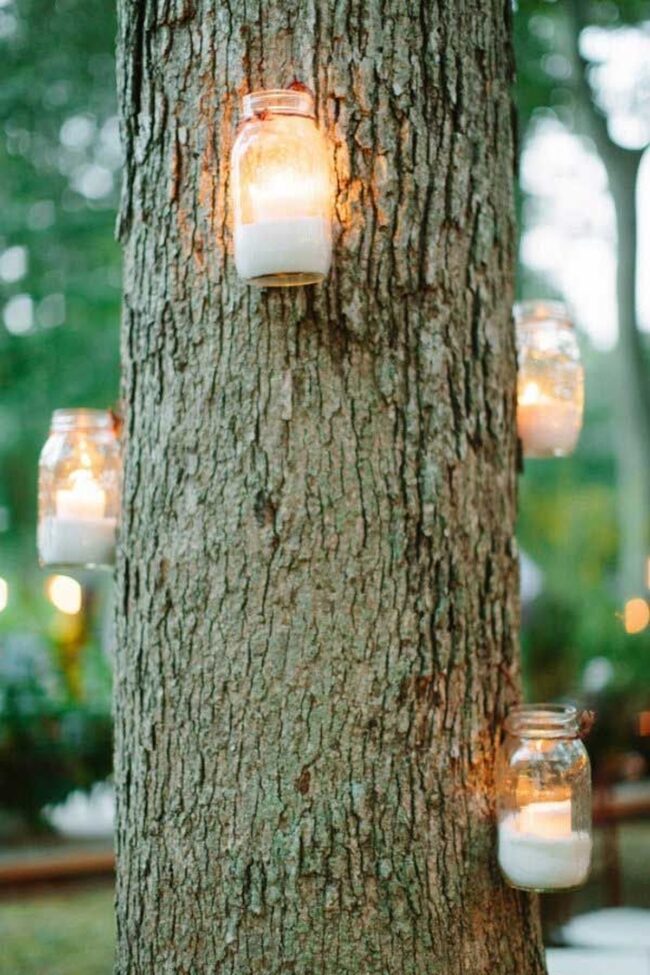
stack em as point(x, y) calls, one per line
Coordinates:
point(77, 541)
point(538, 849)
point(300, 245)
point(547, 426)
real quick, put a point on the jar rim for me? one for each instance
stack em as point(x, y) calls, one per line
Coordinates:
point(279, 101)
point(81, 418)
point(536, 310)
point(543, 721)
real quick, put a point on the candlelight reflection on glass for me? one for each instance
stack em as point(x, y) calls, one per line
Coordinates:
point(544, 800)
point(550, 384)
point(281, 191)
point(79, 490)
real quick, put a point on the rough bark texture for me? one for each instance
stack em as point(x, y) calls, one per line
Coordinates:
point(318, 586)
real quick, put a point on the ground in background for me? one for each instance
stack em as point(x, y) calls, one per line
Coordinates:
point(70, 933)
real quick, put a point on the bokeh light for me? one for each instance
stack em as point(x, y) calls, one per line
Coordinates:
point(65, 594)
point(636, 615)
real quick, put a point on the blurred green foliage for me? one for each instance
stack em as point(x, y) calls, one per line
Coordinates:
point(60, 159)
point(48, 751)
point(544, 77)
point(59, 321)
point(55, 714)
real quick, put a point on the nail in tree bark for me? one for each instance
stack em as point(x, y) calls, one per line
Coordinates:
point(317, 584)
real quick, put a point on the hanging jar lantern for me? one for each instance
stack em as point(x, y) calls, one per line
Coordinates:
point(544, 799)
point(550, 384)
point(281, 190)
point(80, 474)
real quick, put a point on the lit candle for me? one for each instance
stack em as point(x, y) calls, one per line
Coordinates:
point(282, 191)
point(548, 819)
point(539, 850)
point(547, 425)
point(85, 501)
point(79, 533)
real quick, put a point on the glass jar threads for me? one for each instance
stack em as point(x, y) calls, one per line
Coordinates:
point(550, 383)
point(80, 473)
point(281, 191)
point(543, 799)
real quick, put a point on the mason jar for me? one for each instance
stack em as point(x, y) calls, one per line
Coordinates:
point(281, 191)
point(79, 484)
point(550, 381)
point(543, 799)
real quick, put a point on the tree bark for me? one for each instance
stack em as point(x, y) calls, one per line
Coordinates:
point(318, 606)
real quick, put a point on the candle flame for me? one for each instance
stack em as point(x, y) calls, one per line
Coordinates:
point(83, 499)
point(546, 819)
point(531, 394)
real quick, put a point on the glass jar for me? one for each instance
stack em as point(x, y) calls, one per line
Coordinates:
point(79, 485)
point(543, 799)
point(550, 382)
point(281, 191)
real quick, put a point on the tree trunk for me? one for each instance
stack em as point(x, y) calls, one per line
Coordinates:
point(633, 398)
point(318, 586)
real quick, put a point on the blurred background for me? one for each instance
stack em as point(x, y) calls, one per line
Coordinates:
point(583, 92)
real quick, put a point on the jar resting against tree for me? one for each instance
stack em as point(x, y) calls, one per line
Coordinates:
point(544, 799)
point(79, 489)
point(281, 191)
point(550, 383)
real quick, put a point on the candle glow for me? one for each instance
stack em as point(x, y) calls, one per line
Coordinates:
point(546, 425)
point(282, 192)
point(550, 386)
point(547, 819)
point(79, 490)
point(84, 500)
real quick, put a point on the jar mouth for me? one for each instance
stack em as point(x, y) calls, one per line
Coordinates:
point(543, 721)
point(536, 310)
point(81, 419)
point(279, 101)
